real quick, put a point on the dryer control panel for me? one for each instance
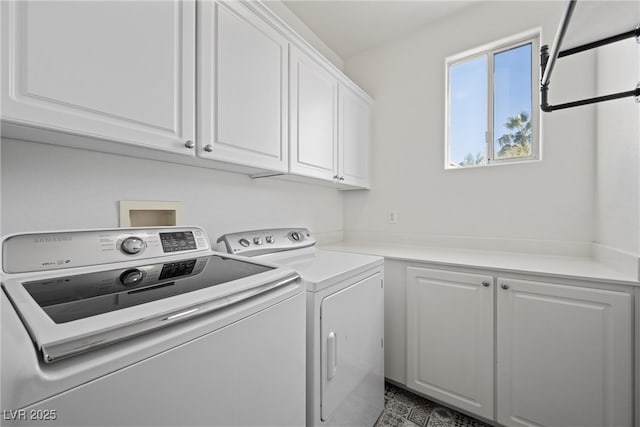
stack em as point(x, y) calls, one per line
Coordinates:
point(258, 242)
point(22, 253)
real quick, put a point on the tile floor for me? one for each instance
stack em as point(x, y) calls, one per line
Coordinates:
point(405, 409)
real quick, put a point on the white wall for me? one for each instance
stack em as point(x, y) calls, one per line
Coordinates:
point(618, 149)
point(548, 200)
point(46, 187)
point(296, 24)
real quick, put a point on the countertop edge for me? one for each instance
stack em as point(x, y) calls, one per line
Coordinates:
point(548, 266)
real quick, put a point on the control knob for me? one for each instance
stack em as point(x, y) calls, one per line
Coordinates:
point(244, 242)
point(131, 277)
point(257, 240)
point(295, 236)
point(132, 245)
point(270, 239)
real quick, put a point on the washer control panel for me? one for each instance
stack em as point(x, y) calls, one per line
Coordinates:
point(56, 250)
point(258, 242)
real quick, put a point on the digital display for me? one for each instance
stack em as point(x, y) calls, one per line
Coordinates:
point(177, 269)
point(178, 241)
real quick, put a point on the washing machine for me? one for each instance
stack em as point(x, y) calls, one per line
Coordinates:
point(345, 322)
point(148, 327)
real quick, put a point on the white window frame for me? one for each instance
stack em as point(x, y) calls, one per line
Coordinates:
point(490, 49)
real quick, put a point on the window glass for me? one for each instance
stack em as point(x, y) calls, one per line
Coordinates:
point(512, 103)
point(468, 112)
point(491, 113)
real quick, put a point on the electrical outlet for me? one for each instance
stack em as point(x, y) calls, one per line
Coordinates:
point(392, 217)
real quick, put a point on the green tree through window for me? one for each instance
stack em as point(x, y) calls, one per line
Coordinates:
point(517, 143)
point(471, 160)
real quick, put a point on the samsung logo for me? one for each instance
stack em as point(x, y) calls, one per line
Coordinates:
point(54, 239)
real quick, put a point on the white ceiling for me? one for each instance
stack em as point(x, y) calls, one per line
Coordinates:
point(351, 26)
point(595, 20)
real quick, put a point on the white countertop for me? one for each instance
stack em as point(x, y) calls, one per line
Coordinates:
point(573, 267)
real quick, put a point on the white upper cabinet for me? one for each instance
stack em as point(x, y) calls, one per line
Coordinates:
point(330, 125)
point(314, 118)
point(114, 70)
point(122, 77)
point(243, 77)
point(354, 138)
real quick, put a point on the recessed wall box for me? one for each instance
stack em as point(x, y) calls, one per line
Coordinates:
point(149, 213)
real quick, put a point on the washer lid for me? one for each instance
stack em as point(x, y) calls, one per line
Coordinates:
point(73, 313)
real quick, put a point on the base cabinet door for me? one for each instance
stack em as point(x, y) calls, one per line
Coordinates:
point(450, 338)
point(113, 70)
point(563, 355)
point(243, 79)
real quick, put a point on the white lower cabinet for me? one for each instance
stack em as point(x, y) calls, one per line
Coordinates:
point(563, 353)
point(450, 338)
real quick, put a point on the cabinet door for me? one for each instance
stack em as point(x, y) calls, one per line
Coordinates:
point(243, 79)
point(563, 355)
point(314, 120)
point(351, 363)
point(450, 338)
point(354, 138)
point(115, 70)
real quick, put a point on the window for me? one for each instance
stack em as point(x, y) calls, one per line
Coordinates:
point(492, 104)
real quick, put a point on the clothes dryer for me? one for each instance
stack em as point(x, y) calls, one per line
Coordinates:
point(345, 322)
